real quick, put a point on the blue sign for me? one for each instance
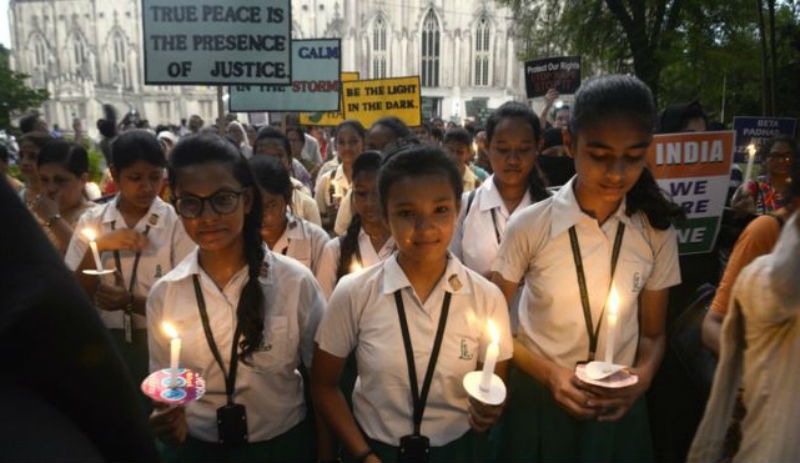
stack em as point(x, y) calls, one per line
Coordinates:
point(758, 130)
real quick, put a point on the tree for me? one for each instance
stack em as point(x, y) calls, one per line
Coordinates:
point(15, 95)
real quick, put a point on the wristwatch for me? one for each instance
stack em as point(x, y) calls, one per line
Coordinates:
point(52, 220)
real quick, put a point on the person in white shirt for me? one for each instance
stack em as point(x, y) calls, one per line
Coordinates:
point(139, 235)
point(332, 186)
point(440, 305)
point(305, 148)
point(269, 140)
point(609, 228)
point(283, 231)
point(368, 240)
point(255, 310)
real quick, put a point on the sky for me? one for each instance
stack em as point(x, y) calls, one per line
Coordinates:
point(5, 29)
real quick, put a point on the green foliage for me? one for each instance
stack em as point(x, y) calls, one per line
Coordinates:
point(15, 95)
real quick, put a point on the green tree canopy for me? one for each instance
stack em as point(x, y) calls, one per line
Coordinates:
point(15, 95)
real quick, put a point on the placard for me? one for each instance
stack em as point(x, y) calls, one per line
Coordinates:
point(217, 42)
point(316, 65)
point(562, 73)
point(694, 169)
point(328, 119)
point(758, 130)
point(368, 100)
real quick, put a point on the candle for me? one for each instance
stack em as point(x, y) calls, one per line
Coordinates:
point(91, 236)
point(751, 158)
point(612, 310)
point(355, 267)
point(490, 360)
point(174, 352)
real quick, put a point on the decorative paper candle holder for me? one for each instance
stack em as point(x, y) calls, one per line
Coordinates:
point(494, 395)
point(190, 386)
point(605, 375)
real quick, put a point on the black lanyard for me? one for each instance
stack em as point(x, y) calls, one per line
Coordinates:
point(496, 230)
point(420, 399)
point(127, 315)
point(587, 310)
point(230, 377)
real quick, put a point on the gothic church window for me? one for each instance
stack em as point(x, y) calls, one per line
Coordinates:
point(431, 48)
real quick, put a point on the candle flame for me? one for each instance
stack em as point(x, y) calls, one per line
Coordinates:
point(613, 301)
point(89, 234)
point(355, 267)
point(751, 148)
point(493, 332)
point(169, 330)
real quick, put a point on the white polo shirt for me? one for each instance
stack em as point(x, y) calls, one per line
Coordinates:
point(326, 196)
point(477, 229)
point(270, 387)
point(362, 316)
point(302, 241)
point(329, 262)
point(168, 244)
point(537, 247)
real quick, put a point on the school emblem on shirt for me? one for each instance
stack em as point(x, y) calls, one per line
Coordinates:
point(455, 282)
point(465, 353)
point(153, 220)
point(637, 282)
point(158, 271)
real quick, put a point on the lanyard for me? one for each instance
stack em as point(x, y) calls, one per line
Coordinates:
point(496, 229)
point(230, 377)
point(587, 310)
point(127, 315)
point(420, 399)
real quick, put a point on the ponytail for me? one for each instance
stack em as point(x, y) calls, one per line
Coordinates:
point(536, 186)
point(646, 196)
point(348, 245)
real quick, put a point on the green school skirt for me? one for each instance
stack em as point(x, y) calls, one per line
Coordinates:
point(295, 445)
point(469, 448)
point(535, 428)
point(136, 358)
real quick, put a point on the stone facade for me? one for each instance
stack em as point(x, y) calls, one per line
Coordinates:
point(89, 52)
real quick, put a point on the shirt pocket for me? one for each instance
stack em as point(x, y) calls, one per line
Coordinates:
point(274, 351)
point(632, 275)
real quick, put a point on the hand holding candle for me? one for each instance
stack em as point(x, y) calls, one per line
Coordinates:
point(490, 360)
point(484, 386)
point(92, 236)
point(174, 351)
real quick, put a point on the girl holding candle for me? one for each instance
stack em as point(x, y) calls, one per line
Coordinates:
point(281, 229)
point(333, 185)
point(368, 240)
point(257, 308)
point(137, 234)
point(765, 195)
point(424, 290)
point(611, 212)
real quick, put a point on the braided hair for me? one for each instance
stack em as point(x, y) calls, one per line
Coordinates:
point(367, 162)
point(208, 148)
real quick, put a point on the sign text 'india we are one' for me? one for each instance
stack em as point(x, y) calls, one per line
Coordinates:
point(316, 65)
point(217, 42)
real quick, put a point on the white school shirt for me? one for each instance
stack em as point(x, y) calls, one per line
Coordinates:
point(303, 205)
point(475, 240)
point(329, 262)
point(327, 199)
point(167, 245)
point(362, 316)
point(270, 388)
point(537, 247)
point(302, 241)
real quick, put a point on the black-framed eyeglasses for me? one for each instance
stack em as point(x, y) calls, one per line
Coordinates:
point(222, 202)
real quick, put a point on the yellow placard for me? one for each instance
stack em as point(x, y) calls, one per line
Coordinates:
point(368, 100)
point(332, 118)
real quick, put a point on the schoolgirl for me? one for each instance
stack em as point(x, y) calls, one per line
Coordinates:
point(272, 141)
point(609, 224)
point(513, 135)
point(255, 310)
point(30, 145)
point(283, 231)
point(333, 185)
point(442, 307)
point(368, 240)
point(139, 235)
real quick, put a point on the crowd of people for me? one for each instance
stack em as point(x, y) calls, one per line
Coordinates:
point(333, 288)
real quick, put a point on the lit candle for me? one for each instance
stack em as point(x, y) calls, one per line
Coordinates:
point(92, 236)
point(355, 267)
point(490, 360)
point(612, 310)
point(174, 352)
point(751, 158)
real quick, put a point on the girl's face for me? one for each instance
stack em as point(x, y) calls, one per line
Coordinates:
point(139, 183)
point(274, 219)
point(274, 147)
point(513, 151)
point(348, 144)
point(211, 230)
point(379, 136)
point(609, 158)
point(296, 141)
point(421, 213)
point(780, 159)
point(29, 154)
point(365, 197)
point(460, 153)
point(61, 185)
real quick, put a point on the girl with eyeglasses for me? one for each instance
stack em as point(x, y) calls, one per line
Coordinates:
point(139, 235)
point(246, 315)
point(765, 194)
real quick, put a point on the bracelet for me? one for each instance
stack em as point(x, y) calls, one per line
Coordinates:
point(52, 220)
point(361, 457)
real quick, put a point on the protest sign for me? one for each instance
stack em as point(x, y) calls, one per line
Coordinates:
point(216, 42)
point(332, 118)
point(316, 66)
point(562, 74)
point(368, 100)
point(694, 169)
point(758, 130)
